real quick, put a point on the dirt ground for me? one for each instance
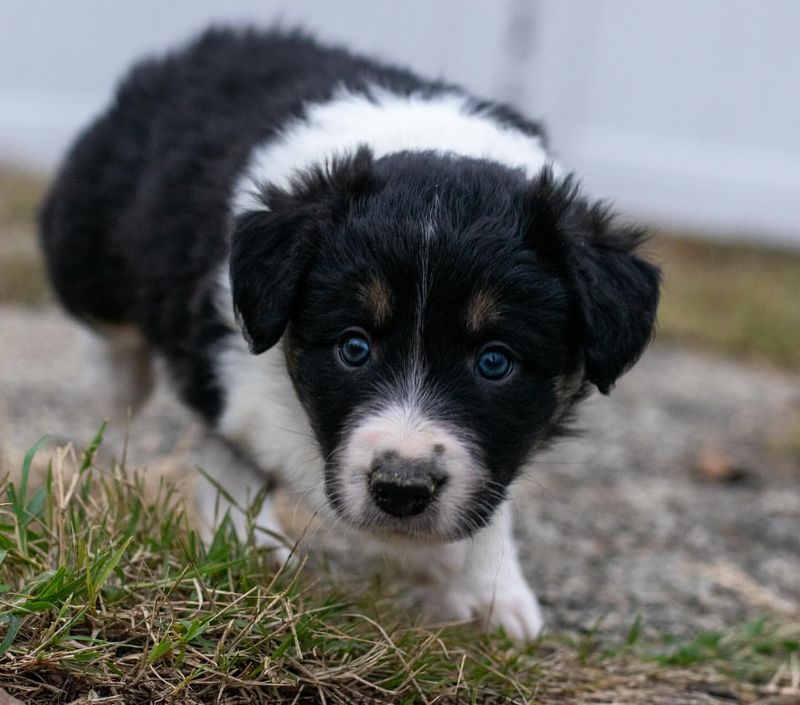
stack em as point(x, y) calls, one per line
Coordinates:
point(678, 503)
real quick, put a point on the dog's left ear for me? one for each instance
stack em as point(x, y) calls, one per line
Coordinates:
point(272, 249)
point(614, 290)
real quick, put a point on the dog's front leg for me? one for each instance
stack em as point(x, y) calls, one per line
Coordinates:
point(481, 578)
point(232, 486)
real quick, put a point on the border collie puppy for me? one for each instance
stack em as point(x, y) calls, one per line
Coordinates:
point(374, 286)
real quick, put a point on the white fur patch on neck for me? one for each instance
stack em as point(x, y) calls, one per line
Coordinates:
point(387, 123)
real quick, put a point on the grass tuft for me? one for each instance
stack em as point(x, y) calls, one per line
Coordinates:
point(21, 272)
point(747, 653)
point(108, 589)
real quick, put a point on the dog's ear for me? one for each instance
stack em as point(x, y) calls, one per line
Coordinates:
point(615, 291)
point(272, 249)
point(269, 252)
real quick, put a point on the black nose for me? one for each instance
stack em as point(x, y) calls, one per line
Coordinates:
point(404, 487)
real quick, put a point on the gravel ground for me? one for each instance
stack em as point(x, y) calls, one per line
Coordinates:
point(615, 523)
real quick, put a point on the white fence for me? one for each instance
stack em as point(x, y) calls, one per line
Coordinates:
point(684, 112)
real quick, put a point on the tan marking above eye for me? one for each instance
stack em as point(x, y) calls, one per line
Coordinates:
point(377, 298)
point(482, 307)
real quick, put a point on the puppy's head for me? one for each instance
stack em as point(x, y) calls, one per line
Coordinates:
point(440, 316)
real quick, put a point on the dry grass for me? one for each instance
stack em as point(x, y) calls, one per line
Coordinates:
point(108, 593)
point(742, 300)
point(20, 192)
point(21, 276)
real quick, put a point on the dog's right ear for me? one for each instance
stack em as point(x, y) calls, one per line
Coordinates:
point(272, 249)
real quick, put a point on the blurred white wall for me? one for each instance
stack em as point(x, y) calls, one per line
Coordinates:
point(684, 112)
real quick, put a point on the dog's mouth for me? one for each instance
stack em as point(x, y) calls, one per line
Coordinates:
point(426, 529)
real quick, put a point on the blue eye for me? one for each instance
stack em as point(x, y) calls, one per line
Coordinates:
point(493, 364)
point(354, 349)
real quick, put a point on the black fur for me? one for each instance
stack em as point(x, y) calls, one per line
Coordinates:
point(137, 224)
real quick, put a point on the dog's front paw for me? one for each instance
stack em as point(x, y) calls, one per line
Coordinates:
point(513, 607)
point(518, 613)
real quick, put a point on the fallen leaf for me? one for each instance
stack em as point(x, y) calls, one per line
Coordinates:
point(715, 466)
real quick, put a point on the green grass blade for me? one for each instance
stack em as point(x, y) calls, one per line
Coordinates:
point(13, 623)
point(17, 498)
point(91, 450)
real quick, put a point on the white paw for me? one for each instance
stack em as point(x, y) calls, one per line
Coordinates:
point(513, 607)
point(518, 613)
